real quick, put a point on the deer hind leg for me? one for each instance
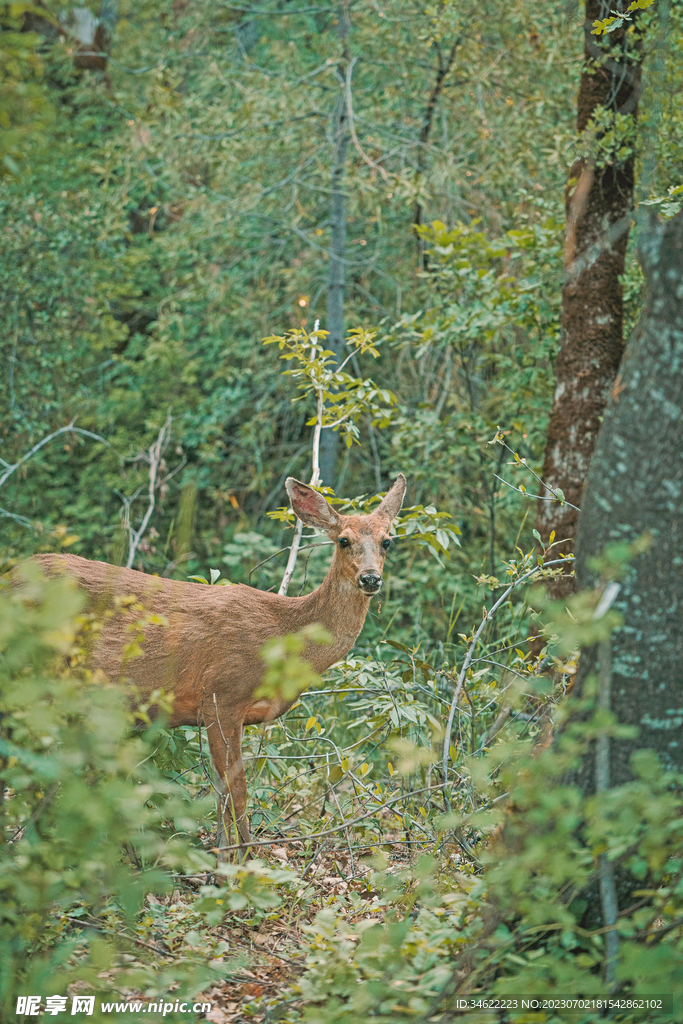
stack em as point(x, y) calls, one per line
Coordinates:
point(231, 784)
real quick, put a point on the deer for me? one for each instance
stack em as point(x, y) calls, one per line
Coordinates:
point(204, 649)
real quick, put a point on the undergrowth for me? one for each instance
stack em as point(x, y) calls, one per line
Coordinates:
point(380, 890)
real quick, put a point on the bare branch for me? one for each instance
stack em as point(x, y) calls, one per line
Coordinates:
point(314, 481)
point(154, 456)
point(354, 138)
point(69, 428)
point(22, 520)
point(468, 659)
point(339, 828)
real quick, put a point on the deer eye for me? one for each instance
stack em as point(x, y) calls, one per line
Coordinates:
point(386, 544)
point(344, 542)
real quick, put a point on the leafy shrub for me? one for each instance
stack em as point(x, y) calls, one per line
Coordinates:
point(88, 822)
point(250, 885)
point(520, 923)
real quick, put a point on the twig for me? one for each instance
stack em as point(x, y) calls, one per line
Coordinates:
point(266, 952)
point(499, 664)
point(314, 481)
point(520, 462)
point(22, 520)
point(154, 455)
point(537, 497)
point(346, 832)
point(349, 109)
point(43, 805)
point(466, 664)
point(331, 831)
point(106, 931)
point(318, 850)
point(69, 428)
point(318, 544)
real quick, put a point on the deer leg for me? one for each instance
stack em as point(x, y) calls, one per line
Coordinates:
point(219, 758)
point(238, 783)
point(231, 784)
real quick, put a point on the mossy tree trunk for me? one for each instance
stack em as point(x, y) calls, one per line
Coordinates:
point(599, 199)
point(635, 487)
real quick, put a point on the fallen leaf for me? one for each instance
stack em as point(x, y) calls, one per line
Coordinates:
point(217, 1015)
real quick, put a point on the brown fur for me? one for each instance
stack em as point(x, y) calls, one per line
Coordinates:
point(208, 656)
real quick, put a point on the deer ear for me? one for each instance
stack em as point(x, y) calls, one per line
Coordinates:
point(310, 506)
point(390, 505)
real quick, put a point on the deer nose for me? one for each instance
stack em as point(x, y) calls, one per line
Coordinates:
point(370, 582)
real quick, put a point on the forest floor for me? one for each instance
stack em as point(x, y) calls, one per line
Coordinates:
point(265, 953)
point(275, 950)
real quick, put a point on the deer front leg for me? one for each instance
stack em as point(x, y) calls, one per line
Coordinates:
point(226, 754)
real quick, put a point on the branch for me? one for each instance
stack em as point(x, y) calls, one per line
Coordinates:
point(155, 455)
point(538, 497)
point(291, 561)
point(315, 454)
point(352, 129)
point(468, 658)
point(22, 520)
point(338, 828)
point(69, 428)
point(314, 481)
point(522, 462)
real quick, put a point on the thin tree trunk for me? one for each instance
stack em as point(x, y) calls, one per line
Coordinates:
point(336, 278)
point(109, 12)
point(442, 70)
point(94, 34)
point(599, 200)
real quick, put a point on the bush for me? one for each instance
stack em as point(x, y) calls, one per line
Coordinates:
point(89, 825)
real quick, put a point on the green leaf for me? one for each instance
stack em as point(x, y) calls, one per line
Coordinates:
point(398, 646)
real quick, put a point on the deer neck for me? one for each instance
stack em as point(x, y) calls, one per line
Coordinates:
point(340, 607)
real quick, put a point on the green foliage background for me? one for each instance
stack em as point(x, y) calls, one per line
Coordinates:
point(158, 222)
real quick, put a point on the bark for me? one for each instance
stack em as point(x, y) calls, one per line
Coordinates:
point(109, 12)
point(336, 278)
point(635, 486)
point(599, 200)
point(94, 35)
point(90, 35)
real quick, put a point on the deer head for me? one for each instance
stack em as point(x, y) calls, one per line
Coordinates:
point(361, 542)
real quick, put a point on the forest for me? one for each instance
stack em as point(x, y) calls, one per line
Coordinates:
point(266, 265)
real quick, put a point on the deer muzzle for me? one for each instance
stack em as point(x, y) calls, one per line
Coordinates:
point(369, 582)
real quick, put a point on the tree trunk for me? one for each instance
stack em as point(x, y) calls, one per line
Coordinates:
point(635, 487)
point(94, 35)
point(336, 278)
point(109, 12)
point(599, 199)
